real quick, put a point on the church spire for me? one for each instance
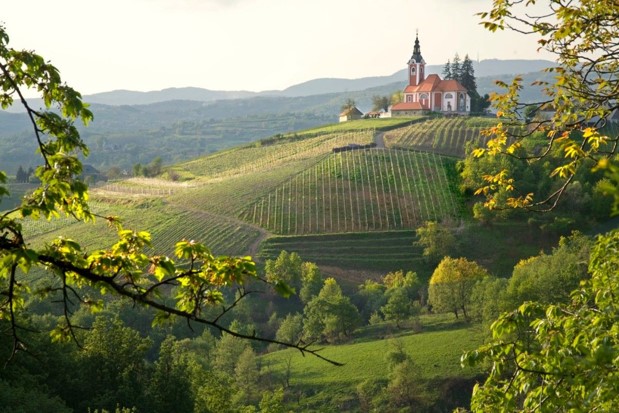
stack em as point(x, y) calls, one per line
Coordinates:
point(417, 51)
point(416, 65)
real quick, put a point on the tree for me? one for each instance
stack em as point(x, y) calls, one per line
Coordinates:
point(116, 353)
point(583, 39)
point(399, 306)
point(397, 97)
point(170, 386)
point(436, 239)
point(21, 176)
point(330, 315)
point(247, 378)
point(291, 329)
point(71, 272)
point(370, 298)
point(456, 68)
point(447, 71)
point(311, 280)
point(380, 102)
point(286, 268)
point(558, 357)
point(549, 278)
point(349, 104)
point(451, 284)
point(467, 77)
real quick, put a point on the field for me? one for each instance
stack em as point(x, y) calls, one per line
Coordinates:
point(435, 351)
point(362, 190)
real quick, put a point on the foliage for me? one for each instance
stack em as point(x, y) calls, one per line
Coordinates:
point(399, 306)
point(285, 269)
point(330, 315)
point(558, 357)
point(381, 103)
point(311, 280)
point(291, 328)
point(349, 104)
point(436, 239)
point(452, 283)
point(549, 278)
point(577, 104)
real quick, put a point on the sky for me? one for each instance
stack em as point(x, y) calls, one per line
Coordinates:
point(255, 45)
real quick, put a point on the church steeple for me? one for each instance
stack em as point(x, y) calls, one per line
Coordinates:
point(416, 65)
point(416, 51)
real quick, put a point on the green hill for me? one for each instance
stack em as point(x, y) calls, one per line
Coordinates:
point(354, 209)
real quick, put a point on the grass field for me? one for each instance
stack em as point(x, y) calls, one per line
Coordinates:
point(435, 351)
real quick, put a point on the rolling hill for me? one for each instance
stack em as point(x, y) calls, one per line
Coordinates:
point(354, 210)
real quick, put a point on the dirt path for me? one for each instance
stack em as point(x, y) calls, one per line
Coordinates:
point(379, 140)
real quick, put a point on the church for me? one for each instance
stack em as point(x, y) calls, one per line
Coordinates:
point(424, 94)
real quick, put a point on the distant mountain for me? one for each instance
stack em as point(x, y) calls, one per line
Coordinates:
point(128, 97)
point(484, 68)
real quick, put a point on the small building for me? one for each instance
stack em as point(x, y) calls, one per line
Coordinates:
point(351, 114)
point(92, 174)
point(430, 94)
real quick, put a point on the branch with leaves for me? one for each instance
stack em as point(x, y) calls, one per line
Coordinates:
point(186, 289)
point(579, 102)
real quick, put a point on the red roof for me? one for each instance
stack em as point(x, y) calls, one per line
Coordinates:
point(433, 83)
point(407, 106)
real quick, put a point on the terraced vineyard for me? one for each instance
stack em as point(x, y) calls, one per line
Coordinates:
point(362, 190)
point(378, 251)
point(446, 136)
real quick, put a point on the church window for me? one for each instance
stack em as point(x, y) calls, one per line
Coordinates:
point(449, 96)
point(423, 96)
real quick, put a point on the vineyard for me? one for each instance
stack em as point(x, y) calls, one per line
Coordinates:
point(250, 159)
point(353, 209)
point(356, 191)
point(445, 136)
point(166, 224)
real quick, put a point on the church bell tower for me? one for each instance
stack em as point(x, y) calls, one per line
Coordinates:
point(416, 65)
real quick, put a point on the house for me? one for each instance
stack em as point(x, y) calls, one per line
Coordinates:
point(91, 174)
point(351, 114)
point(425, 94)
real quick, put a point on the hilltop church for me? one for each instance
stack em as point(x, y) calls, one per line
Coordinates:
point(430, 93)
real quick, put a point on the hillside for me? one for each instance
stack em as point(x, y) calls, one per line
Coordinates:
point(354, 211)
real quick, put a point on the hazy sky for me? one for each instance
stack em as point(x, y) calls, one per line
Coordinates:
point(102, 45)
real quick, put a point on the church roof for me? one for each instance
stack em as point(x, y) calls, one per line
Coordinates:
point(433, 83)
